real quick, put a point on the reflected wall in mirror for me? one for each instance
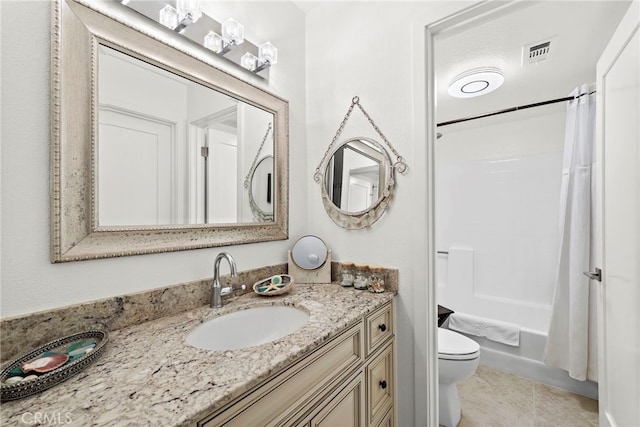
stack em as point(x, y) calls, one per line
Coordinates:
point(357, 182)
point(150, 145)
point(176, 162)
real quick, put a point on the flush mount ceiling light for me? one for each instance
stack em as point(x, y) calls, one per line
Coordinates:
point(476, 82)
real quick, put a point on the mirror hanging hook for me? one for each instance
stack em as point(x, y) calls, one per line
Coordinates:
point(401, 166)
point(316, 176)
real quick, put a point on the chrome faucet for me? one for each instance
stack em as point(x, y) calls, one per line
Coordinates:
point(218, 291)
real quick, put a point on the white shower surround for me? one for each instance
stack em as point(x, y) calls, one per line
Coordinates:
point(497, 193)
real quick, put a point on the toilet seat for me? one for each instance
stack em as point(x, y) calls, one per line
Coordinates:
point(455, 346)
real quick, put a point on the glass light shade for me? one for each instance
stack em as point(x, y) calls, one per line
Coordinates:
point(268, 53)
point(169, 17)
point(233, 31)
point(191, 7)
point(476, 82)
point(249, 61)
point(214, 42)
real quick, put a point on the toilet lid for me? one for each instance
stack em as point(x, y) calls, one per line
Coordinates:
point(455, 346)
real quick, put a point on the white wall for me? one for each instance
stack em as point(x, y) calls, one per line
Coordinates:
point(29, 283)
point(370, 49)
point(497, 193)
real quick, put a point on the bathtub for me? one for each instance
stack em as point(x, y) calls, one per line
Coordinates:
point(526, 361)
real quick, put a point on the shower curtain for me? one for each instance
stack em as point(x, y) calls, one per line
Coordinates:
point(571, 341)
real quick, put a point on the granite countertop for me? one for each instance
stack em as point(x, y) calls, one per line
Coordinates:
point(149, 376)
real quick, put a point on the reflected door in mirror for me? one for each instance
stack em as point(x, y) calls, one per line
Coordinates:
point(134, 190)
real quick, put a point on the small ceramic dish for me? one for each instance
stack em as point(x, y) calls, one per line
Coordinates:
point(274, 285)
point(51, 364)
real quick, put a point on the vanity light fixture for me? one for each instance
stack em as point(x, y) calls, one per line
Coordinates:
point(267, 56)
point(476, 82)
point(232, 35)
point(178, 18)
point(218, 37)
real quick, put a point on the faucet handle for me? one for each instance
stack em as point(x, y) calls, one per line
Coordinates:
point(227, 290)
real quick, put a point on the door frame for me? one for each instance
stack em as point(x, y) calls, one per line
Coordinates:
point(451, 18)
point(425, 28)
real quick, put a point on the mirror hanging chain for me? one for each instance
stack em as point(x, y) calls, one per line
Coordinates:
point(255, 160)
point(400, 165)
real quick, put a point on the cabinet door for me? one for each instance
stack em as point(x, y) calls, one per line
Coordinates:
point(280, 398)
point(387, 421)
point(344, 409)
point(380, 385)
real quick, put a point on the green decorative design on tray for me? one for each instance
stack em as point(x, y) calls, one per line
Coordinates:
point(274, 285)
point(51, 364)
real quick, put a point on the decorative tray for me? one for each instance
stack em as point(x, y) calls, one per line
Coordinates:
point(274, 285)
point(51, 364)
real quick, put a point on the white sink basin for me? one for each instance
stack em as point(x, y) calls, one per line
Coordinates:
point(247, 328)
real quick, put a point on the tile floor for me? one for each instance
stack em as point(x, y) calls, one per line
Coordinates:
point(492, 398)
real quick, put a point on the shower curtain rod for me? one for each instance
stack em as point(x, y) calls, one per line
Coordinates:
point(509, 110)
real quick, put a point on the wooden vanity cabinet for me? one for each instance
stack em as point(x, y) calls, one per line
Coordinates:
point(348, 381)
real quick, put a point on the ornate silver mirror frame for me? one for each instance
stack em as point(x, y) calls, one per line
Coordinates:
point(78, 28)
point(364, 218)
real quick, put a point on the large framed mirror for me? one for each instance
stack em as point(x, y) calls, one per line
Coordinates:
point(151, 142)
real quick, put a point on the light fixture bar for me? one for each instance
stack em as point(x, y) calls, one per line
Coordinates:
point(184, 23)
point(200, 33)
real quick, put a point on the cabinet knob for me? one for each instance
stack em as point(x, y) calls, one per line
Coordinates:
point(383, 384)
point(382, 327)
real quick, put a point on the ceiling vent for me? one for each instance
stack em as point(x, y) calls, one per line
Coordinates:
point(539, 51)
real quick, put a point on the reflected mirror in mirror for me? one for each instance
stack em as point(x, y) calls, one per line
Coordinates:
point(355, 174)
point(261, 189)
point(172, 151)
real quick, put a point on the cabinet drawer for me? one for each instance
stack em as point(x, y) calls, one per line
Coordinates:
point(294, 387)
point(379, 327)
point(380, 386)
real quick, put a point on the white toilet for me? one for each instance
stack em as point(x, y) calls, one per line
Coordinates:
point(458, 358)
